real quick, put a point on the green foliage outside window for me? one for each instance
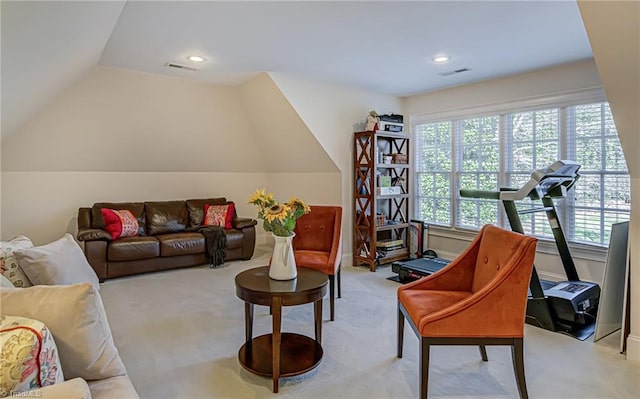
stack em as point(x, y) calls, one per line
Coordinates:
point(489, 152)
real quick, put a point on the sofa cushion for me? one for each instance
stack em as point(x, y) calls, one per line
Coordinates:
point(132, 248)
point(59, 262)
point(9, 266)
point(235, 238)
point(137, 208)
point(29, 356)
point(120, 223)
point(219, 215)
point(76, 388)
point(181, 244)
point(113, 388)
point(196, 209)
point(166, 217)
point(76, 318)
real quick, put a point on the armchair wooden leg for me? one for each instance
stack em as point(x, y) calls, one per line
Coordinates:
point(340, 280)
point(332, 294)
point(424, 367)
point(483, 353)
point(517, 354)
point(400, 332)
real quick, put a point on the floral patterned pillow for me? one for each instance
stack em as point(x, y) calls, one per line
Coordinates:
point(28, 356)
point(9, 265)
point(219, 215)
point(120, 223)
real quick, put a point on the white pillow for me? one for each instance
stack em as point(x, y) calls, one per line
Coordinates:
point(75, 316)
point(5, 282)
point(60, 262)
point(9, 265)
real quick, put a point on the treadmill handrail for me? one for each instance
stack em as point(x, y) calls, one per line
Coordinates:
point(483, 194)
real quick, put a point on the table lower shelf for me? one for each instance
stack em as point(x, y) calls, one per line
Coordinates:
point(298, 355)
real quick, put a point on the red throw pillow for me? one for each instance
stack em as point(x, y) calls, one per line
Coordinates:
point(120, 223)
point(219, 215)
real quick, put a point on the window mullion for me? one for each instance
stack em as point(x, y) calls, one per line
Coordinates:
point(566, 149)
point(456, 168)
point(504, 144)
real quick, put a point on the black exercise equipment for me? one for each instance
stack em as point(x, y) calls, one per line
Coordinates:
point(569, 306)
point(413, 269)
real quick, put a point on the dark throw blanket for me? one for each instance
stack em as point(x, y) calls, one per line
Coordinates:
point(215, 242)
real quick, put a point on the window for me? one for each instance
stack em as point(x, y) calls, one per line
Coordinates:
point(478, 166)
point(503, 148)
point(533, 143)
point(603, 193)
point(433, 174)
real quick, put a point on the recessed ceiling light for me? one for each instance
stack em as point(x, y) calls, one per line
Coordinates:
point(196, 58)
point(441, 59)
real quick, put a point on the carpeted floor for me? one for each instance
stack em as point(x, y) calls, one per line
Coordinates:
point(179, 332)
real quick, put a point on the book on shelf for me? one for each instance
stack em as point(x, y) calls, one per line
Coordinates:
point(389, 243)
point(389, 249)
point(395, 252)
point(393, 190)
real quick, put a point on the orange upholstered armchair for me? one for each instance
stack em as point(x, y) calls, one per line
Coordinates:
point(318, 244)
point(480, 298)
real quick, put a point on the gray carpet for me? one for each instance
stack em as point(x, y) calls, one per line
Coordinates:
point(179, 332)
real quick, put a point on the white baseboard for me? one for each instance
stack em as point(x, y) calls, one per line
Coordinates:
point(347, 260)
point(633, 349)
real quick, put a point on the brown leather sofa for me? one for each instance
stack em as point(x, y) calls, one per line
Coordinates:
point(164, 241)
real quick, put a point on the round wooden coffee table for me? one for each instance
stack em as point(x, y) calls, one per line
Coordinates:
point(280, 354)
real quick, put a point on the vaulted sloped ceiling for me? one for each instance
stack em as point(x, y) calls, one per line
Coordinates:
point(614, 33)
point(46, 46)
point(283, 139)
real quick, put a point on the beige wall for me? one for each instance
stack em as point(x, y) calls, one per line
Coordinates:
point(561, 79)
point(116, 120)
point(280, 135)
point(125, 136)
point(332, 113)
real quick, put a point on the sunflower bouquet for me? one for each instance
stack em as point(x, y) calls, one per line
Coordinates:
point(279, 218)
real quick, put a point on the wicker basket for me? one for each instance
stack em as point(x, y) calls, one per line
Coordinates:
point(399, 158)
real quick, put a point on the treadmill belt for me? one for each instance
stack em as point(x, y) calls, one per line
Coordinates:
point(429, 265)
point(409, 270)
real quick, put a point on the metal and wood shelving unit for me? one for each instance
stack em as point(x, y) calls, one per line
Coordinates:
point(378, 217)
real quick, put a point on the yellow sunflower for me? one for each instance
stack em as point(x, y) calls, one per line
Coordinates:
point(277, 211)
point(298, 203)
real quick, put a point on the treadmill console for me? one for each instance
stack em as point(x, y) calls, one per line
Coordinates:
point(553, 181)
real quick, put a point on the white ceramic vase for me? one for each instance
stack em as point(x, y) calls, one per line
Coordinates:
point(283, 264)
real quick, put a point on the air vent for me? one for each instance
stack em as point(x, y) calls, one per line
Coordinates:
point(449, 73)
point(178, 66)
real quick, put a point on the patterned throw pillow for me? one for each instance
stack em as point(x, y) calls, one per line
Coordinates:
point(219, 215)
point(28, 355)
point(120, 223)
point(9, 265)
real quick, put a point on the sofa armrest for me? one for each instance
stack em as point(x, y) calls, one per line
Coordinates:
point(93, 235)
point(96, 253)
point(248, 228)
point(241, 223)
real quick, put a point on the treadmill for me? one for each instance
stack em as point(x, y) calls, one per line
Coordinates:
point(413, 269)
point(570, 306)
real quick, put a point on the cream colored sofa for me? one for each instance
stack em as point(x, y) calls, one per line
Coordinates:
point(75, 317)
